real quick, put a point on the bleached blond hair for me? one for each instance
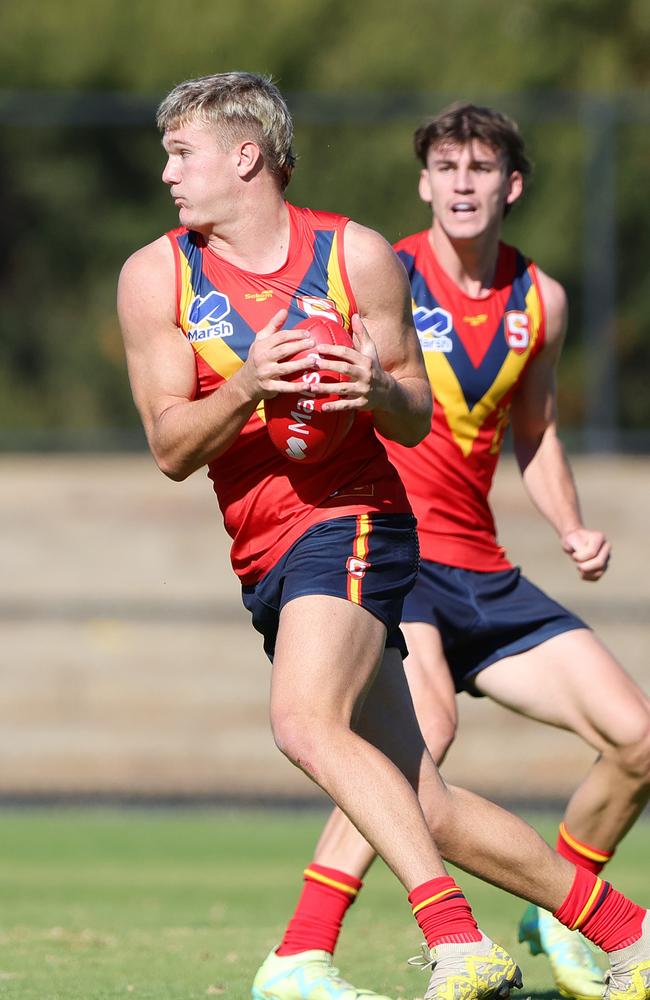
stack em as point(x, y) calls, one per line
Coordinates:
point(240, 106)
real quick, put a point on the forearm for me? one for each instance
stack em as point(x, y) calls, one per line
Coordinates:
point(405, 415)
point(549, 481)
point(190, 433)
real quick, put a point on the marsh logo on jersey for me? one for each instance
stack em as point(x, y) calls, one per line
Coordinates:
point(322, 308)
point(206, 318)
point(433, 327)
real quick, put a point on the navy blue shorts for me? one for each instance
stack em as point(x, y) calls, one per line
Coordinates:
point(483, 617)
point(371, 560)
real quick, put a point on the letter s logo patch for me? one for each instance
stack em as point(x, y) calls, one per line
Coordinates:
point(517, 331)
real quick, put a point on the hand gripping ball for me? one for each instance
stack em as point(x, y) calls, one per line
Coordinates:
point(296, 423)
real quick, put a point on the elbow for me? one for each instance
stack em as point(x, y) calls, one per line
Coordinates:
point(173, 451)
point(411, 434)
point(419, 428)
point(411, 440)
point(175, 466)
point(176, 475)
point(409, 423)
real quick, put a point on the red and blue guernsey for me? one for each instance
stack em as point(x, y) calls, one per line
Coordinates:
point(267, 500)
point(476, 352)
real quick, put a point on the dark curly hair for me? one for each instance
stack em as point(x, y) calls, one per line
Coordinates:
point(461, 122)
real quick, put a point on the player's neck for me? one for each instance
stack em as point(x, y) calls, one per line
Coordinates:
point(470, 263)
point(257, 237)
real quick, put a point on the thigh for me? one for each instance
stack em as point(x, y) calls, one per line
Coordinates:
point(431, 685)
point(388, 720)
point(343, 586)
point(571, 681)
point(326, 655)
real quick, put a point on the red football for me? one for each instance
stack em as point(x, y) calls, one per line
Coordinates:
point(295, 421)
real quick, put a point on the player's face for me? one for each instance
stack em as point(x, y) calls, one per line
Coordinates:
point(468, 188)
point(200, 175)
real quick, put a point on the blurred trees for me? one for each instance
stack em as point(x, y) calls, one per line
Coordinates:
point(80, 187)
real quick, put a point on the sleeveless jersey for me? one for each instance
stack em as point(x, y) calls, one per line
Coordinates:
point(476, 351)
point(267, 500)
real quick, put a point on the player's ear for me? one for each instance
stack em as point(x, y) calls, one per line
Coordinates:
point(514, 187)
point(424, 186)
point(249, 159)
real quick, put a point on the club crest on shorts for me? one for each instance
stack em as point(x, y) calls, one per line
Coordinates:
point(357, 567)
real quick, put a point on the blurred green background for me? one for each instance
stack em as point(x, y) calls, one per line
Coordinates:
point(80, 164)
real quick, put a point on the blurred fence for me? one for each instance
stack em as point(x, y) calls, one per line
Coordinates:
point(80, 189)
point(129, 668)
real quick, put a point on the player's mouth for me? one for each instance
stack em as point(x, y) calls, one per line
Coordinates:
point(463, 208)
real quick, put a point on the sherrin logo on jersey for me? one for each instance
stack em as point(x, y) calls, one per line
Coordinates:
point(206, 317)
point(432, 327)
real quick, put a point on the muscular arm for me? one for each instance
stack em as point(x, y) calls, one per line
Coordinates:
point(386, 367)
point(185, 433)
point(544, 467)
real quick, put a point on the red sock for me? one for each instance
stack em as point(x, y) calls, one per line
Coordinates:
point(316, 923)
point(442, 912)
point(604, 915)
point(579, 853)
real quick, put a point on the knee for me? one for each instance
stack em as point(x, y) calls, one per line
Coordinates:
point(439, 734)
point(438, 807)
point(290, 733)
point(300, 738)
point(633, 756)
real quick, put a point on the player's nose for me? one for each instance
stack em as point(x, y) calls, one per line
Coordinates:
point(463, 179)
point(168, 174)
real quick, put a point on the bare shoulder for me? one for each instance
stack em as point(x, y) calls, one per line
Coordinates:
point(383, 296)
point(361, 240)
point(152, 262)
point(555, 302)
point(375, 271)
point(146, 287)
point(159, 358)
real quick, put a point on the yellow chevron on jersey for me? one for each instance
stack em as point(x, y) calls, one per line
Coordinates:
point(215, 351)
point(335, 286)
point(466, 421)
point(336, 303)
point(475, 350)
point(478, 349)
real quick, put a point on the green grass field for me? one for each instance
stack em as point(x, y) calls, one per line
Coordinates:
point(167, 905)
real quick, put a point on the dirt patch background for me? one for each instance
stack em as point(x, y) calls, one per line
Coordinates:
point(128, 666)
